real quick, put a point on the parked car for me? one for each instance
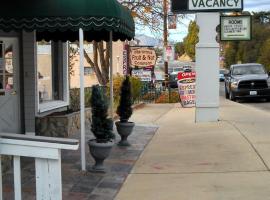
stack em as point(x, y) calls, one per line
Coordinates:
point(173, 78)
point(221, 74)
point(246, 81)
point(187, 68)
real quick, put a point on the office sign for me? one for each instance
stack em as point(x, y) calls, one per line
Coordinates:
point(142, 57)
point(235, 28)
point(186, 88)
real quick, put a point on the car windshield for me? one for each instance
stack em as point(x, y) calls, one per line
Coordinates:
point(250, 69)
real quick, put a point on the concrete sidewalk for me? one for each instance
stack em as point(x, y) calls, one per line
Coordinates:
point(207, 161)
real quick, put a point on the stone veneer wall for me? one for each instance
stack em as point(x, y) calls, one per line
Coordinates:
point(61, 125)
point(6, 163)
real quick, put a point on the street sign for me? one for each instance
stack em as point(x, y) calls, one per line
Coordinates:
point(185, 6)
point(235, 28)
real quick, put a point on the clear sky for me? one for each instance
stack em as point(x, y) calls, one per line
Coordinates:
point(182, 28)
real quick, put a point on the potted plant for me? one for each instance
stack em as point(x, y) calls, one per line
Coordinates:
point(102, 128)
point(124, 110)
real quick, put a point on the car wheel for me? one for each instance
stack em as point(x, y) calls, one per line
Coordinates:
point(231, 96)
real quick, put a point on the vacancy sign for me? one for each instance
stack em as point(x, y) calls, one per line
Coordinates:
point(186, 88)
point(215, 5)
point(235, 28)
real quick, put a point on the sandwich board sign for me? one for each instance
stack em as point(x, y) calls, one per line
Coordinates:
point(186, 87)
point(235, 28)
point(184, 6)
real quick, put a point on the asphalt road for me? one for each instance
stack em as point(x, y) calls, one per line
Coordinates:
point(257, 103)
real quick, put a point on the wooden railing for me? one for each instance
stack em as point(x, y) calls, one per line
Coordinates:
point(47, 154)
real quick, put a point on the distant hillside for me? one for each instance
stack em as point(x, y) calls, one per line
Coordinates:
point(148, 41)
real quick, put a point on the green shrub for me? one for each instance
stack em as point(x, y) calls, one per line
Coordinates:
point(164, 97)
point(124, 110)
point(74, 103)
point(102, 126)
point(136, 87)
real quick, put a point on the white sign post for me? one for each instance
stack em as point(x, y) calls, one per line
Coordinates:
point(207, 51)
point(207, 68)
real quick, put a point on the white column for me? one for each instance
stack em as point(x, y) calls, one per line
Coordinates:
point(111, 75)
point(82, 105)
point(207, 68)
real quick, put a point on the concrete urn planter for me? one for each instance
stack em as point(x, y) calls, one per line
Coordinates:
point(99, 151)
point(124, 129)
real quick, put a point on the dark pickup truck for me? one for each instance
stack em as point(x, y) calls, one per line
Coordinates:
point(247, 81)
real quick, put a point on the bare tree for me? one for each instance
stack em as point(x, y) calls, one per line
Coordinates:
point(146, 13)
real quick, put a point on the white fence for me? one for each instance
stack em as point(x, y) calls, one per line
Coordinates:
point(47, 154)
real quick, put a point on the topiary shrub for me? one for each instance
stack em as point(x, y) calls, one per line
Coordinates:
point(102, 126)
point(124, 110)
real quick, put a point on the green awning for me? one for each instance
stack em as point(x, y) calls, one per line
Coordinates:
point(61, 19)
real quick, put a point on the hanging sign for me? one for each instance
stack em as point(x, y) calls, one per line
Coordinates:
point(142, 57)
point(235, 28)
point(125, 62)
point(169, 53)
point(186, 87)
point(215, 5)
point(172, 21)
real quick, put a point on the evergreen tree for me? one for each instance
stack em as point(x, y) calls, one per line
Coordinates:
point(265, 55)
point(179, 48)
point(124, 110)
point(191, 39)
point(101, 126)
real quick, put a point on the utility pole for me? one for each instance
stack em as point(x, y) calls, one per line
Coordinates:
point(165, 38)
